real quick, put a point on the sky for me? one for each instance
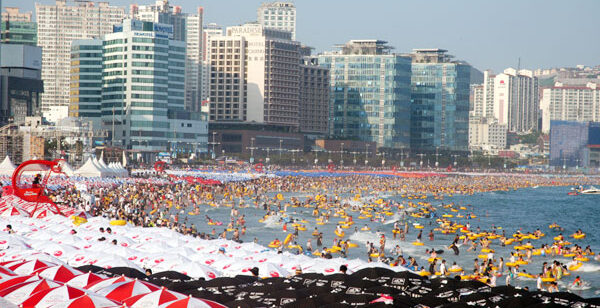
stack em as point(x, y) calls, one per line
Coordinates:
point(487, 34)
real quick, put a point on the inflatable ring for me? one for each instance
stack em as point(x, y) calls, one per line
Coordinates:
point(118, 222)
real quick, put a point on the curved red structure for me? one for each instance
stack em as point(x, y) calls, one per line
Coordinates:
point(35, 191)
point(259, 167)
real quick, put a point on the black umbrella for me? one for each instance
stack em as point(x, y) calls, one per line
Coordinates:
point(373, 273)
point(246, 278)
point(403, 301)
point(243, 303)
point(223, 281)
point(356, 299)
point(90, 268)
point(518, 301)
point(127, 271)
point(508, 290)
point(382, 290)
point(170, 275)
point(568, 296)
point(306, 302)
point(182, 286)
point(287, 296)
point(219, 298)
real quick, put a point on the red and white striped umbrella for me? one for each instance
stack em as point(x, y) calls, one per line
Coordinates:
point(60, 273)
point(49, 297)
point(124, 290)
point(5, 271)
point(89, 300)
point(191, 302)
point(84, 280)
point(100, 284)
point(13, 211)
point(28, 267)
point(153, 299)
point(20, 292)
point(11, 281)
point(43, 213)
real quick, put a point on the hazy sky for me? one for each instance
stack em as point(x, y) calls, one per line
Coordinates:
point(487, 34)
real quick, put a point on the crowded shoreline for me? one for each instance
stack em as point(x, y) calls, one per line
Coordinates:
point(288, 204)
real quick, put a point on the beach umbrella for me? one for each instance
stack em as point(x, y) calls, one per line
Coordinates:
point(122, 290)
point(191, 302)
point(4, 271)
point(197, 270)
point(43, 213)
point(83, 280)
point(6, 304)
point(49, 297)
point(170, 276)
point(13, 241)
point(28, 267)
point(60, 273)
point(271, 270)
point(89, 268)
point(11, 281)
point(109, 261)
point(20, 292)
point(88, 300)
point(55, 249)
point(153, 299)
point(99, 284)
point(127, 271)
point(13, 211)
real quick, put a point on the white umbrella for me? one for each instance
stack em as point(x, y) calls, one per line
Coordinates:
point(197, 270)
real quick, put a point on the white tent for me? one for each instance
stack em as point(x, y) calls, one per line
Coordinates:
point(66, 168)
point(109, 171)
point(124, 171)
point(7, 167)
point(97, 164)
point(89, 169)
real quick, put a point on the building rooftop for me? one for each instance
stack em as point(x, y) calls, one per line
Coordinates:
point(365, 47)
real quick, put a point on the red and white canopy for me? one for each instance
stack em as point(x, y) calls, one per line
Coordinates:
point(49, 297)
point(20, 292)
point(153, 299)
point(60, 273)
point(124, 290)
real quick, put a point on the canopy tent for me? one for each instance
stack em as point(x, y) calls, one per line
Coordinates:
point(66, 168)
point(7, 167)
point(89, 169)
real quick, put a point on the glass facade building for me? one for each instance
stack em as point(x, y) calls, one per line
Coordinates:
point(440, 90)
point(370, 93)
point(86, 80)
point(19, 32)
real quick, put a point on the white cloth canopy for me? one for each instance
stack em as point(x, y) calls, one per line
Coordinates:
point(7, 167)
point(89, 169)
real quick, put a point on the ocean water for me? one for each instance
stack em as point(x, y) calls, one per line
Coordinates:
point(525, 210)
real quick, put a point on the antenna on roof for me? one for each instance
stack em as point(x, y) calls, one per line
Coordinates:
point(519, 64)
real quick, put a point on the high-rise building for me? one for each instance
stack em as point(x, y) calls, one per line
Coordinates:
point(516, 100)
point(58, 26)
point(193, 61)
point(18, 28)
point(254, 76)
point(143, 92)
point(477, 100)
point(314, 97)
point(570, 103)
point(486, 134)
point(20, 82)
point(278, 15)
point(162, 13)
point(208, 31)
point(86, 81)
point(439, 101)
point(369, 93)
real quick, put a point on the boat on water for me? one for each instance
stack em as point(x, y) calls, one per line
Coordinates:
point(591, 191)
